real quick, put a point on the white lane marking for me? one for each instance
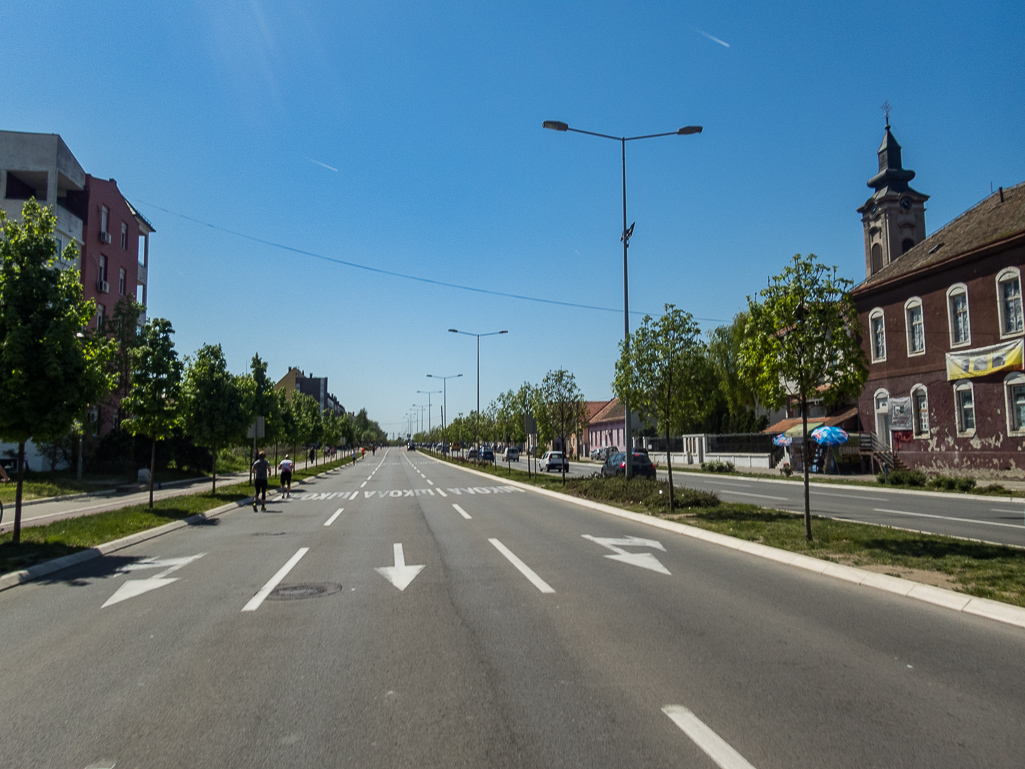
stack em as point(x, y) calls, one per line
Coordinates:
point(354, 495)
point(715, 747)
point(399, 575)
point(846, 496)
point(439, 492)
point(363, 484)
point(334, 517)
point(995, 510)
point(525, 570)
point(429, 480)
point(949, 518)
point(760, 496)
point(256, 600)
point(462, 512)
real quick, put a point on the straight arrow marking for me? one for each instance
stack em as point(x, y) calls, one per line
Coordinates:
point(399, 575)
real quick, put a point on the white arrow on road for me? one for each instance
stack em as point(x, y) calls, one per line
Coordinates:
point(399, 575)
point(644, 560)
point(134, 587)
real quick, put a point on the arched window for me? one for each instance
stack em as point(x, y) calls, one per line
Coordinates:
point(915, 324)
point(877, 334)
point(907, 245)
point(957, 315)
point(1009, 301)
point(964, 407)
point(920, 410)
point(1014, 396)
point(877, 258)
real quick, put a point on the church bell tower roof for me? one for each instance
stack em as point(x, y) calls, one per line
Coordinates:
point(892, 176)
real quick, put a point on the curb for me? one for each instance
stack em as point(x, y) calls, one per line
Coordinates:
point(938, 596)
point(15, 578)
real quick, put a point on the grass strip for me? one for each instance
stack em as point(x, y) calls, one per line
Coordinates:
point(973, 568)
point(71, 535)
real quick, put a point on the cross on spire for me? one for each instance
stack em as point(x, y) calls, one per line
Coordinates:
point(886, 110)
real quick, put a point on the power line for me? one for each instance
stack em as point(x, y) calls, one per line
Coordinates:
point(393, 274)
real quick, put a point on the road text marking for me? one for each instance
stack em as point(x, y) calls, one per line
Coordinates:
point(525, 570)
point(256, 600)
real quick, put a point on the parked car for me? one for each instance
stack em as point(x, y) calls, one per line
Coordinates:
point(487, 455)
point(471, 454)
point(616, 465)
point(511, 454)
point(554, 460)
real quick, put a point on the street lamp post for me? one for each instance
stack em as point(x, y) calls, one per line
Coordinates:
point(420, 424)
point(444, 402)
point(428, 393)
point(476, 422)
point(556, 125)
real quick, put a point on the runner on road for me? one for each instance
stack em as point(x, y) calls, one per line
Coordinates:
point(261, 468)
point(286, 465)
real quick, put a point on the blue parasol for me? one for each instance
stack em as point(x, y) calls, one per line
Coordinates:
point(782, 440)
point(829, 436)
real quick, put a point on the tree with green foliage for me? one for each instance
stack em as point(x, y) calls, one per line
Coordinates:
point(51, 370)
point(734, 402)
point(153, 400)
point(217, 406)
point(266, 402)
point(559, 409)
point(802, 339)
point(306, 411)
point(122, 326)
point(664, 375)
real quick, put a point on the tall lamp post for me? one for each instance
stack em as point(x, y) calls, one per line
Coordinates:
point(428, 393)
point(420, 424)
point(476, 422)
point(444, 402)
point(556, 125)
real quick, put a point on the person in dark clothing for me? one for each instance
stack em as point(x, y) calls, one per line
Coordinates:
point(261, 469)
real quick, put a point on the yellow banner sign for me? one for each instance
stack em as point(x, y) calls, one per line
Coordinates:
point(985, 360)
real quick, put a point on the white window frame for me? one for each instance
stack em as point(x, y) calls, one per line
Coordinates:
point(917, 428)
point(104, 219)
point(956, 290)
point(914, 303)
point(101, 311)
point(969, 387)
point(122, 281)
point(124, 235)
point(1004, 277)
point(1013, 380)
point(103, 268)
point(878, 356)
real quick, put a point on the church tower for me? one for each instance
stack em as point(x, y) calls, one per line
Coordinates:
point(894, 216)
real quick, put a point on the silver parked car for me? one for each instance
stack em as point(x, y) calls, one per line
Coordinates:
point(554, 460)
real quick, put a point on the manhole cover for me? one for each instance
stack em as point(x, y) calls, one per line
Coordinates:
point(303, 590)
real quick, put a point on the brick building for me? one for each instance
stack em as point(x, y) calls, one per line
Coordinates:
point(943, 329)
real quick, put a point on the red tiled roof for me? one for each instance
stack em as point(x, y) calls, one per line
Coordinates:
point(833, 420)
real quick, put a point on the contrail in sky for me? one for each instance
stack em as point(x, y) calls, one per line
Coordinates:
point(329, 168)
point(713, 39)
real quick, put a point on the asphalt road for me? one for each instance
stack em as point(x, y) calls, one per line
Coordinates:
point(984, 518)
point(414, 614)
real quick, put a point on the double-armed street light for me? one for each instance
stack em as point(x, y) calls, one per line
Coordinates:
point(470, 333)
point(444, 401)
point(420, 424)
point(428, 393)
point(556, 125)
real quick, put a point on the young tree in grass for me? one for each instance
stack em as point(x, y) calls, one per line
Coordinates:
point(664, 375)
point(266, 402)
point(559, 408)
point(152, 402)
point(217, 406)
point(802, 336)
point(307, 418)
point(51, 370)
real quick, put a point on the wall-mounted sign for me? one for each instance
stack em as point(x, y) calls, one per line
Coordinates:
point(968, 364)
point(900, 414)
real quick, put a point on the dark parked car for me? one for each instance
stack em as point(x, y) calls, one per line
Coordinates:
point(487, 455)
point(616, 465)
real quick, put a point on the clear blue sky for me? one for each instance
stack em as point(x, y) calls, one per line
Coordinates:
point(407, 137)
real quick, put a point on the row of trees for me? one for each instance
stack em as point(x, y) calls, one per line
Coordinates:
point(54, 367)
